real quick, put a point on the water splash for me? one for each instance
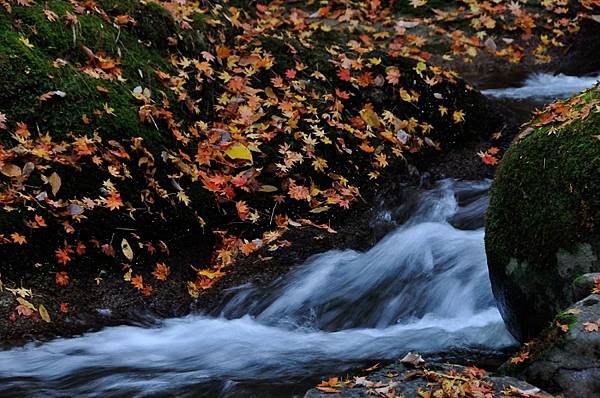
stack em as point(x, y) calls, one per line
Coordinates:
point(424, 287)
point(545, 86)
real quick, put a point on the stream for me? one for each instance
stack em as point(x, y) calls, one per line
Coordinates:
point(424, 287)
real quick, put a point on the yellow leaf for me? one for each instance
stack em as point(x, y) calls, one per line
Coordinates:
point(182, 197)
point(25, 303)
point(420, 68)
point(369, 116)
point(127, 250)
point(44, 313)
point(25, 42)
point(267, 188)
point(127, 276)
point(239, 151)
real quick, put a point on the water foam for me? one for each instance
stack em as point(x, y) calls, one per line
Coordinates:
point(545, 86)
point(423, 288)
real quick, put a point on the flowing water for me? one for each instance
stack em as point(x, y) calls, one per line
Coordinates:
point(423, 288)
point(545, 87)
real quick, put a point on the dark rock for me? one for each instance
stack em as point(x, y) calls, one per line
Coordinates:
point(583, 286)
point(399, 380)
point(570, 364)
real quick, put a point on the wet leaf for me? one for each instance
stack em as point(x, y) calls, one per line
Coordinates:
point(44, 313)
point(11, 170)
point(126, 249)
point(239, 152)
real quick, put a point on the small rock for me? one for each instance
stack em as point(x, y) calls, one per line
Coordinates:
point(583, 285)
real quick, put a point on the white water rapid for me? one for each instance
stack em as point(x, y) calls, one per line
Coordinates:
point(423, 288)
point(545, 87)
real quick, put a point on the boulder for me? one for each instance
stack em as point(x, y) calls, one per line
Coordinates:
point(543, 223)
point(569, 362)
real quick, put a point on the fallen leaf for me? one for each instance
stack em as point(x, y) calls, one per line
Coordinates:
point(44, 313)
point(126, 249)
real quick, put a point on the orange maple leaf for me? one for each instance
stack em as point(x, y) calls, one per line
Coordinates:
point(519, 358)
point(138, 282)
point(298, 192)
point(161, 271)
point(62, 255)
point(114, 201)
point(17, 238)
point(596, 289)
point(242, 210)
point(62, 278)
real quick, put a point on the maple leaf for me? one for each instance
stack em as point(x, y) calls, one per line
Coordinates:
point(344, 75)
point(392, 75)
point(381, 160)
point(61, 278)
point(458, 116)
point(487, 158)
point(63, 307)
point(298, 192)
point(331, 385)
point(80, 248)
point(242, 210)
point(519, 358)
point(114, 201)
point(596, 289)
point(183, 198)
point(474, 371)
point(62, 255)
point(591, 326)
point(138, 282)
point(17, 238)
point(291, 73)
point(161, 271)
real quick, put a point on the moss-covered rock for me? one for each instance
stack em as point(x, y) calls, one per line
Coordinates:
point(543, 221)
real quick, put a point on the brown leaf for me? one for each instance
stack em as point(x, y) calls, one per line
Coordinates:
point(11, 170)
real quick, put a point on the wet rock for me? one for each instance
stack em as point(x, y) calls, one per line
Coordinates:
point(583, 285)
point(570, 364)
point(400, 380)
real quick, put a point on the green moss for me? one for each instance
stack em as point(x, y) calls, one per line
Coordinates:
point(544, 214)
point(566, 318)
point(547, 183)
point(27, 73)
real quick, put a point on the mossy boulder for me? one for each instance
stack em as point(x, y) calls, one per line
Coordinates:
point(543, 224)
